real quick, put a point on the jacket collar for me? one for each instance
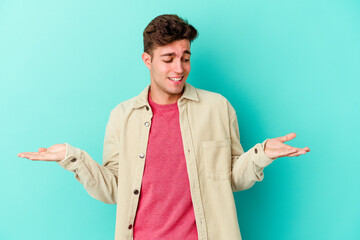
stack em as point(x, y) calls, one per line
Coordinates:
point(142, 99)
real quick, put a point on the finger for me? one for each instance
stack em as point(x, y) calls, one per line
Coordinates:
point(292, 152)
point(297, 154)
point(42, 149)
point(284, 152)
point(303, 150)
point(288, 137)
point(289, 151)
point(23, 154)
point(44, 156)
point(300, 151)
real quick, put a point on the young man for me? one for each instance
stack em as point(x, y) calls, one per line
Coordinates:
point(172, 155)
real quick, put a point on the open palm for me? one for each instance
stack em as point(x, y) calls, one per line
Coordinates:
point(54, 153)
point(275, 147)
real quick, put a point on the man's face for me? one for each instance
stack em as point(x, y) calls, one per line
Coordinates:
point(169, 68)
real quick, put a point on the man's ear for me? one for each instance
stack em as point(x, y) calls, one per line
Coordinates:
point(146, 59)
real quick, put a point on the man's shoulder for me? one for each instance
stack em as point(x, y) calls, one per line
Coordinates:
point(125, 106)
point(214, 101)
point(206, 96)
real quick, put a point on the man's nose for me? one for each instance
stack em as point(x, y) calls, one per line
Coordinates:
point(178, 68)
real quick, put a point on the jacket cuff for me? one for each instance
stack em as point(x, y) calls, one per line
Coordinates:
point(259, 156)
point(73, 158)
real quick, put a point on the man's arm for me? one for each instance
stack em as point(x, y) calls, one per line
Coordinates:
point(100, 181)
point(246, 168)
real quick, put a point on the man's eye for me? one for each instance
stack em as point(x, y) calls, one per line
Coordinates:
point(170, 60)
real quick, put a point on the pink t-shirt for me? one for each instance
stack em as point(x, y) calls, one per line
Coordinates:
point(165, 210)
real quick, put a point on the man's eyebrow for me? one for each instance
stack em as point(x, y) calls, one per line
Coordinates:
point(167, 54)
point(172, 53)
point(188, 52)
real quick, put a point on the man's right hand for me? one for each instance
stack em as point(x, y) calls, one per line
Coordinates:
point(54, 153)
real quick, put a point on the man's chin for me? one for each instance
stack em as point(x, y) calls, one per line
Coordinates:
point(178, 89)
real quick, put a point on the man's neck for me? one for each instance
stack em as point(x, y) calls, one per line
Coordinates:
point(164, 99)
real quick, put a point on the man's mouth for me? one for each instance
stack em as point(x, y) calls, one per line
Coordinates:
point(176, 79)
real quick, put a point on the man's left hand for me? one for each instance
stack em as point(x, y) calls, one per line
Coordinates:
point(275, 147)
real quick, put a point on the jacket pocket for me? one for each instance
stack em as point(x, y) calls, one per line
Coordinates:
point(217, 156)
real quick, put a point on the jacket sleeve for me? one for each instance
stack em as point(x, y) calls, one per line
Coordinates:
point(246, 168)
point(100, 181)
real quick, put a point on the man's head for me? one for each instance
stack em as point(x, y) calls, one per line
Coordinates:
point(167, 41)
point(165, 29)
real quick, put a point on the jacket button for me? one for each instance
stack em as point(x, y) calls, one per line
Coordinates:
point(130, 226)
point(147, 124)
point(73, 160)
point(255, 150)
point(147, 108)
point(136, 192)
point(141, 155)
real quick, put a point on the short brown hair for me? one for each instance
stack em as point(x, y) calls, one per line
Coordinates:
point(165, 29)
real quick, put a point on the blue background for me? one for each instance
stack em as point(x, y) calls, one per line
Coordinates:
point(286, 66)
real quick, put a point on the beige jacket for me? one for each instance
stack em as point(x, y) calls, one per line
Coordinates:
point(216, 162)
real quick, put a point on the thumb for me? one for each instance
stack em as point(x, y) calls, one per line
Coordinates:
point(42, 149)
point(288, 137)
